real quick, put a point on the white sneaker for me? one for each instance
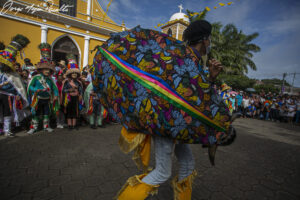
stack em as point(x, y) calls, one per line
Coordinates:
point(31, 131)
point(49, 130)
point(9, 134)
point(59, 126)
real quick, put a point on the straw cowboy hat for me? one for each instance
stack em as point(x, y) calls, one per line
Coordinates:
point(224, 87)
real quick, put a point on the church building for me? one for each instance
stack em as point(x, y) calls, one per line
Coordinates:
point(69, 26)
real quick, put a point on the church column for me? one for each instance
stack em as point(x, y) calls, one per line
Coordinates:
point(88, 10)
point(86, 51)
point(44, 30)
point(177, 31)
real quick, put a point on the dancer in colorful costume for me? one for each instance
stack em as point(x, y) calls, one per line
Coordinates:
point(154, 86)
point(226, 96)
point(42, 91)
point(95, 111)
point(72, 92)
point(13, 97)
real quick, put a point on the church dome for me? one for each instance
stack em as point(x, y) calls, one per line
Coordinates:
point(178, 16)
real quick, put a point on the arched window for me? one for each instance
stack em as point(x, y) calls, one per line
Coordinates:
point(68, 7)
point(170, 32)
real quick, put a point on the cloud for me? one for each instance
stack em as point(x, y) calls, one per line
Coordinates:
point(237, 13)
point(285, 25)
point(281, 57)
point(113, 8)
point(131, 6)
point(127, 10)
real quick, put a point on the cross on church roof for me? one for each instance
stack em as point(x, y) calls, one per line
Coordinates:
point(180, 8)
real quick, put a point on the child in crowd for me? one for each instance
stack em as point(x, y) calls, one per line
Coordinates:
point(95, 110)
point(251, 111)
point(265, 111)
point(72, 92)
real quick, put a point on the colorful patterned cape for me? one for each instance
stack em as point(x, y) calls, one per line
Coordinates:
point(13, 87)
point(39, 82)
point(152, 83)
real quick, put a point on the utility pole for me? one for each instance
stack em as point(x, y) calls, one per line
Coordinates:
point(293, 83)
point(282, 87)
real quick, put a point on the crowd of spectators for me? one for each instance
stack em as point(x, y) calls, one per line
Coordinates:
point(266, 106)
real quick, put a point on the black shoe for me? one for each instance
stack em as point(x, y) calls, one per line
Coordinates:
point(70, 128)
point(93, 127)
point(229, 138)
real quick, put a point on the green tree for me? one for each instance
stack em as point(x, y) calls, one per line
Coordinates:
point(275, 81)
point(237, 82)
point(233, 48)
point(267, 88)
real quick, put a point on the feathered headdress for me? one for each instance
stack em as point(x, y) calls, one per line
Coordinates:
point(45, 62)
point(8, 55)
point(45, 49)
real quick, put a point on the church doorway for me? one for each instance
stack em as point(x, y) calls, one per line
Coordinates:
point(64, 45)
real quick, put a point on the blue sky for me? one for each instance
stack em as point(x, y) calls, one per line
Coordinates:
point(277, 22)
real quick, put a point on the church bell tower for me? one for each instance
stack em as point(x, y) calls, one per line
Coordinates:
point(177, 24)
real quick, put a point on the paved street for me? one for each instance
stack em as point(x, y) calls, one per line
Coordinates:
point(263, 163)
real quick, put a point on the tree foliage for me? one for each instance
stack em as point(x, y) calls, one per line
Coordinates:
point(275, 81)
point(193, 16)
point(231, 46)
point(237, 82)
point(267, 88)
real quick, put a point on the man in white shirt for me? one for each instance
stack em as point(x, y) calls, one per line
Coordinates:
point(245, 105)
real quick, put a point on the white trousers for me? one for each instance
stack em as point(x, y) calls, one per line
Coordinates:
point(164, 148)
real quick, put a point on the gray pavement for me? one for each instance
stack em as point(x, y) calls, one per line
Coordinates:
point(263, 163)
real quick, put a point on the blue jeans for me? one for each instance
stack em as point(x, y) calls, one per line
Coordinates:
point(297, 116)
point(163, 157)
point(267, 116)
